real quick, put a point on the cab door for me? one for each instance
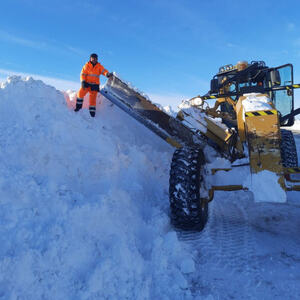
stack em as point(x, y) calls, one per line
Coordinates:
point(283, 99)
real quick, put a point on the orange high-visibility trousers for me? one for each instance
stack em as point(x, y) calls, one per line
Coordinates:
point(92, 97)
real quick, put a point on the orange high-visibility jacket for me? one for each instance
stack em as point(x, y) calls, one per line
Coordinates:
point(91, 74)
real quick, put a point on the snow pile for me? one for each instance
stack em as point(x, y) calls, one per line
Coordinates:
point(255, 102)
point(84, 213)
point(84, 203)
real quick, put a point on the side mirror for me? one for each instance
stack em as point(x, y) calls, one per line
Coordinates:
point(214, 86)
point(275, 77)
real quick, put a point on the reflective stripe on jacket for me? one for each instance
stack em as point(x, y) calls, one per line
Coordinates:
point(91, 74)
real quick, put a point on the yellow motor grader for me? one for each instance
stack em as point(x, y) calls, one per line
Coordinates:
point(251, 104)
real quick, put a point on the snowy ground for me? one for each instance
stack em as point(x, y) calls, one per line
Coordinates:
point(84, 214)
point(296, 127)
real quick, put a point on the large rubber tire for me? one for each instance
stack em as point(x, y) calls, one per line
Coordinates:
point(188, 210)
point(288, 149)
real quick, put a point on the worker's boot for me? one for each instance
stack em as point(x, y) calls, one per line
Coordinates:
point(79, 102)
point(92, 110)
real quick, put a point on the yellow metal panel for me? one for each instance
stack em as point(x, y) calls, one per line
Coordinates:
point(263, 137)
point(219, 131)
point(216, 139)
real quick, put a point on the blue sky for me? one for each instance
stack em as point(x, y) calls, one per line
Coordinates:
point(168, 49)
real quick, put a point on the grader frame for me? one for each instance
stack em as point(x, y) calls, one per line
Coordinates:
point(231, 127)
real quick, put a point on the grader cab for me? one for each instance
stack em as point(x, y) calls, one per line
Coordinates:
point(251, 104)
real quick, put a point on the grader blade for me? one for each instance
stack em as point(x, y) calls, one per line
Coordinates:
point(143, 110)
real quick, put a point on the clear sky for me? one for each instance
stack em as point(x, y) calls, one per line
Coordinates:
point(168, 49)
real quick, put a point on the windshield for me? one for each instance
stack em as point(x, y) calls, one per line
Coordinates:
point(283, 99)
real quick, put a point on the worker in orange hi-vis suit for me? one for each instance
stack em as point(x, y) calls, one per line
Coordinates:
point(90, 81)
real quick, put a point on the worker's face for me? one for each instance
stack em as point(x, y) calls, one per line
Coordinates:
point(94, 60)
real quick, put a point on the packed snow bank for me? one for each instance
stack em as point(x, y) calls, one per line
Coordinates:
point(84, 203)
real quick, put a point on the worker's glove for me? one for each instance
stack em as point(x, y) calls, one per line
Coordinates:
point(108, 75)
point(84, 84)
